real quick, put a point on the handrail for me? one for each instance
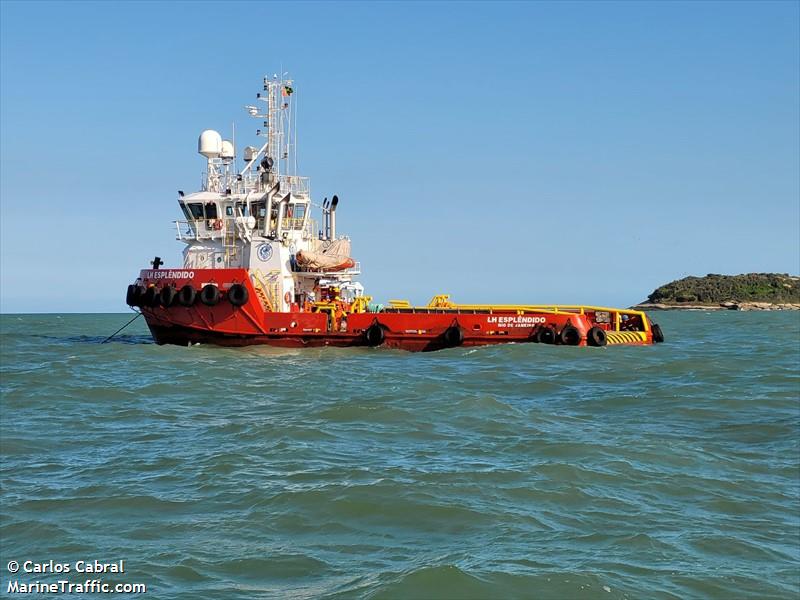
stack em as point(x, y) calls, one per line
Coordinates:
point(442, 301)
point(250, 181)
point(293, 223)
point(199, 228)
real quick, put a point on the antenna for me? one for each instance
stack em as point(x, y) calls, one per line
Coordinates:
point(294, 136)
point(279, 127)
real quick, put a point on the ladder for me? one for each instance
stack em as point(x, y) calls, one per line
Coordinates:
point(229, 241)
point(266, 287)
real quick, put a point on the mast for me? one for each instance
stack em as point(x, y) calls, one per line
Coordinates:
point(280, 146)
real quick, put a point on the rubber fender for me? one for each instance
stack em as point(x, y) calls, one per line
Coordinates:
point(134, 295)
point(658, 335)
point(570, 336)
point(596, 337)
point(546, 335)
point(187, 295)
point(150, 297)
point(374, 335)
point(167, 296)
point(238, 295)
point(209, 295)
point(453, 336)
point(129, 294)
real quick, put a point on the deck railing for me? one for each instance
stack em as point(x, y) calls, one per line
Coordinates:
point(252, 182)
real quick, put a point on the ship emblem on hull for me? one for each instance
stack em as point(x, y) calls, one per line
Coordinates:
point(264, 252)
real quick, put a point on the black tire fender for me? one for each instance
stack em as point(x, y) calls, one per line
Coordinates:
point(150, 297)
point(546, 335)
point(134, 295)
point(453, 336)
point(167, 296)
point(209, 295)
point(187, 296)
point(596, 337)
point(569, 336)
point(374, 335)
point(658, 335)
point(238, 295)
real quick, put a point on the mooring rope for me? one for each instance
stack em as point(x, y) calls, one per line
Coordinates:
point(121, 328)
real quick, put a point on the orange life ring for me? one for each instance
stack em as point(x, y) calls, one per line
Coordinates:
point(217, 225)
point(287, 297)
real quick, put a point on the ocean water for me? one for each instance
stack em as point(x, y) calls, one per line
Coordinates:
point(516, 471)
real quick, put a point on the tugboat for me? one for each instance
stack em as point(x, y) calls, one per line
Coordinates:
point(258, 269)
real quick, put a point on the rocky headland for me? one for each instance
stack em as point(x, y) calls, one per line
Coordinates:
point(750, 291)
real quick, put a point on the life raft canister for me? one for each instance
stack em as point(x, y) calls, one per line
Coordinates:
point(209, 295)
point(596, 337)
point(374, 335)
point(167, 296)
point(453, 336)
point(237, 294)
point(570, 336)
point(187, 295)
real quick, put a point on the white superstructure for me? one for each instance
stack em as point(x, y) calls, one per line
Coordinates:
point(258, 217)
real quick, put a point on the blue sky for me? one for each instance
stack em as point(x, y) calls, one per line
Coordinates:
point(502, 152)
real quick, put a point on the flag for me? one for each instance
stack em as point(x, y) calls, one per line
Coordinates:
point(287, 91)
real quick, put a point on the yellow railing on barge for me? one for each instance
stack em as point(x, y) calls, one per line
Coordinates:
point(442, 301)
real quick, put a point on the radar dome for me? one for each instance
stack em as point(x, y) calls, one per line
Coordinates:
point(227, 149)
point(210, 144)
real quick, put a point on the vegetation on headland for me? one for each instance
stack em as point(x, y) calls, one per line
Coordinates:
point(772, 288)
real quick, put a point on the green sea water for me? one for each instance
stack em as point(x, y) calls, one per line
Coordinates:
point(516, 471)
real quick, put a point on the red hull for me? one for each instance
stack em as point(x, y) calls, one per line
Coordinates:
point(224, 324)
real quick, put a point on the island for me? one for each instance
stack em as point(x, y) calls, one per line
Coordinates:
point(750, 291)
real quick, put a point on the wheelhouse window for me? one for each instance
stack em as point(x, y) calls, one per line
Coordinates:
point(293, 215)
point(260, 212)
point(196, 209)
point(211, 210)
point(185, 210)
